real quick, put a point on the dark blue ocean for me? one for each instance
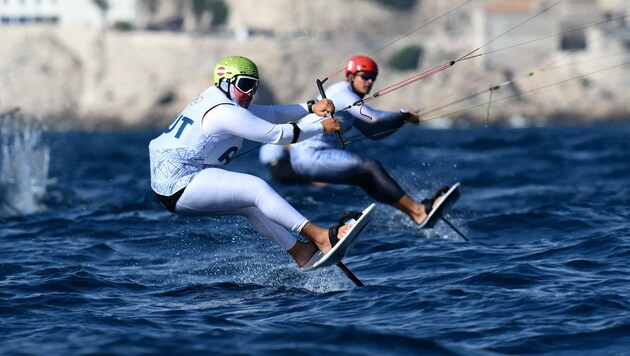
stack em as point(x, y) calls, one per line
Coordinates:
point(97, 266)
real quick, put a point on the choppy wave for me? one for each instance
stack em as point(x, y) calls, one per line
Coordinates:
point(101, 268)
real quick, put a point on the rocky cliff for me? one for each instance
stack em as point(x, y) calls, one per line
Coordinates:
point(78, 78)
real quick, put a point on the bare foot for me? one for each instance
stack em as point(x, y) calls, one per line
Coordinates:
point(302, 252)
point(343, 230)
point(325, 246)
point(435, 205)
point(416, 211)
point(319, 235)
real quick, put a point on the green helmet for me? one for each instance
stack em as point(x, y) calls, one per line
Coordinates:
point(231, 66)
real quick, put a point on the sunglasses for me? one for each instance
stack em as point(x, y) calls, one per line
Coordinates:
point(246, 84)
point(368, 76)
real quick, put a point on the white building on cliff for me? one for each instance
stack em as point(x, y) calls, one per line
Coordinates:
point(90, 14)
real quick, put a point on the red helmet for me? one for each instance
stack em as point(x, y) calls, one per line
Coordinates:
point(361, 64)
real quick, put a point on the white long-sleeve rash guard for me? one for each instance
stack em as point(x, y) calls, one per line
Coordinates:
point(210, 131)
point(266, 124)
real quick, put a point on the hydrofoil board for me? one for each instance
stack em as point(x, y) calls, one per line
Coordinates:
point(338, 251)
point(450, 197)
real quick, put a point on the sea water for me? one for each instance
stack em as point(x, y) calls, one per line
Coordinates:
point(99, 267)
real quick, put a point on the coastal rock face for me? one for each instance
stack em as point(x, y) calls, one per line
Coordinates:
point(73, 77)
point(40, 75)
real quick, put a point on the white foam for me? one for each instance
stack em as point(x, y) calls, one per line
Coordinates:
point(23, 166)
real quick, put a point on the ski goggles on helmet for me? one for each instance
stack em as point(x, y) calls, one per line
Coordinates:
point(246, 84)
point(368, 76)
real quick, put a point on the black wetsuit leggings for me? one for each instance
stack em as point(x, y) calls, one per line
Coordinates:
point(372, 177)
point(342, 167)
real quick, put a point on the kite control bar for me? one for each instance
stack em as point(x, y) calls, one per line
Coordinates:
point(320, 86)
